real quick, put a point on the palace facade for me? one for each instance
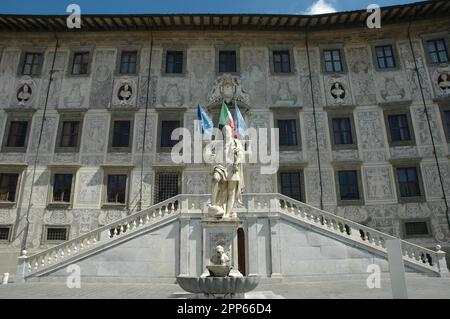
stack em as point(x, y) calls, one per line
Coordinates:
point(364, 116)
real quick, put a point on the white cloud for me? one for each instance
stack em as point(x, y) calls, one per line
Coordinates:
point(320, 7)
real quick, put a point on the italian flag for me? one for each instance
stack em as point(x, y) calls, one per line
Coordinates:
point(226, 118)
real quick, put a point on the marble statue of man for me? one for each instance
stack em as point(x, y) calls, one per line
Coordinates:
point(228, 177)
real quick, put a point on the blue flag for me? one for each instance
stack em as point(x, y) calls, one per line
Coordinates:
point(241, 126)
point(206, 124)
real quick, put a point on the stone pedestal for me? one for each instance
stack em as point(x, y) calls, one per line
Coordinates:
point(220, 233)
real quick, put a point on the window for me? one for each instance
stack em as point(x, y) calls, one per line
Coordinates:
point(80, 63)
point(416, 229)
point(227, 62)
point(281, 62)
point(57, 234)
point(437, 51)
point(8, 187)
point(399, 128)
point(167, 186)
point(174, 62)
point(385, 57)
point(333, 61)
point(62, 188)
point(116, 189)
point(287, 132)
point(348, 185)
point(70, 132)
point(408, 182)
point(17, 134)
point(291, 185)
point(167, 127)
point(5, 232)
point(128, 62)
point(121, 135)
point(32, 64)
point(342, 131)
point(446, 120)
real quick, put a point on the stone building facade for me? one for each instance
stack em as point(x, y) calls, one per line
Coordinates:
point(364, 79)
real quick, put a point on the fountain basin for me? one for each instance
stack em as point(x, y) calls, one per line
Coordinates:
point(218, 285)
point(219, 270)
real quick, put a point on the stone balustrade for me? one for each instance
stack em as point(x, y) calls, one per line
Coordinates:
point(271, 205)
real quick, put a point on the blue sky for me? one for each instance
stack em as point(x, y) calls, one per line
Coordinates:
point(190, 6)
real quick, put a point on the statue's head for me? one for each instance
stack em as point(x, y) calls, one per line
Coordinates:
point(444, 77)
point(219, 251)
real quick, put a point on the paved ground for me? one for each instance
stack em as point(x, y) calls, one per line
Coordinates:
point(418, 287)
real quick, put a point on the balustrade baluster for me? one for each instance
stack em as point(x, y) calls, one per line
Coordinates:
point(147, 218)
point(121, 229)
point(141, 222)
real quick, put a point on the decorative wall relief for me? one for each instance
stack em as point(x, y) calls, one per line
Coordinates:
point(260, 183)
point(254, 75)
point(305, 83)
point(96, 128)
point(124, 92)
point(312, 182)
point(48, 135)
point(353, 213)
point(40, 189)
point(25, 92)
point(378, 183)
point(8, 67)
point(201, 74)
point(147, 181)
point(229, 88)
point(441, 81)
point(68, 158)
point(102, 78)
point(322, 131)
point(390, 88)
point(411, 75)
point(403, 152)
point(361, 75)
point(346, 155)
point(173, 94)
point(57, 79)
point(284, 92)
point(371, 136)
point(432, 182)
point(7, 216)
point(197, 182)
point(337, 90)
point(89, 187)
point(75, 93)
point(58, 217)
point(421, 125)
point(259, 120)
point(86, 220)
point(150, 133)
point(144, 87)
point(107, 217)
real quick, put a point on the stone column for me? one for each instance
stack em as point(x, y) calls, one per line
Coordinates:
point(252, 239)
point(275, 246)
point(442, 263)
point(19, 278)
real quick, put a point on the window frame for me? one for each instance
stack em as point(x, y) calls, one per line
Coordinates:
point(427, 221)
point(121, 117)
point(333, 47)
point(171, 48)
point(348, 166)
point(285, 115)
point(109, 170)
point(17, 117)
point(280, 48)
point(228, 47)
point(399, 111)
point(120, 52)
point(8, 240)
point(433, 37)
point(12, 171)
point(170, 115)
point(395, 56)
point(73, 52)
point(409, 164)
point(166, 170)
point(23, 58)
point(291, 170)
point(342, 114)
point(442, 109)
point(67, 116)
point(44, 239)
point(62, 169)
